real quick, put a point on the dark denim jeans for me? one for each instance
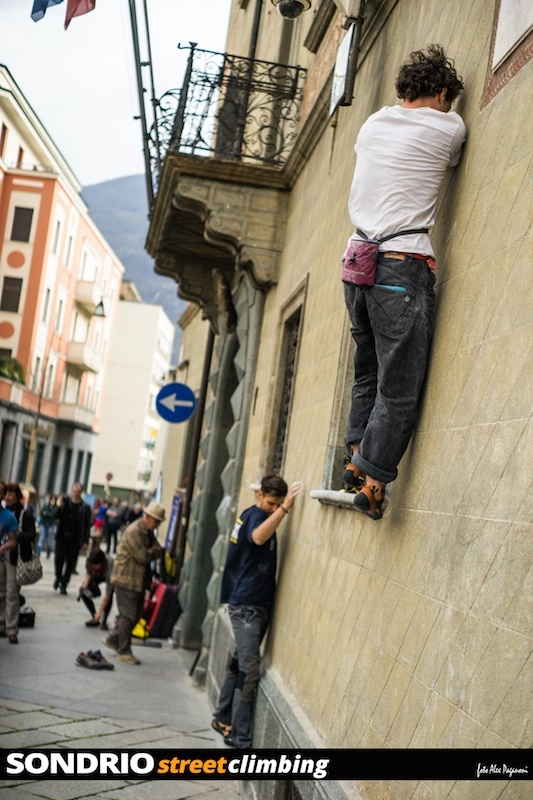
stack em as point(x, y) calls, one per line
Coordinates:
point(392, 332)
point(236, 701)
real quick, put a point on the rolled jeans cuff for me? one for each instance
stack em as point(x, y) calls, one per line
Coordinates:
point(354, 435)
point(370, 469)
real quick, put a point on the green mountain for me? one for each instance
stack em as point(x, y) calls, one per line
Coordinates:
point(120, 210)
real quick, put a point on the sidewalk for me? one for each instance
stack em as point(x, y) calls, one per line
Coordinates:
point(47, 701)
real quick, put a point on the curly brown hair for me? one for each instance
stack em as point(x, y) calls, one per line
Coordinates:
point(427, 74)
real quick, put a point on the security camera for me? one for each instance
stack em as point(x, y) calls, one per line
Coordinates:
point(290, 9)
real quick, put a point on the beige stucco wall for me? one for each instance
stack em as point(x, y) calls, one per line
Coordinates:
point(416, 631)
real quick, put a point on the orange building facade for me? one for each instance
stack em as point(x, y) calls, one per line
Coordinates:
point(59, 291)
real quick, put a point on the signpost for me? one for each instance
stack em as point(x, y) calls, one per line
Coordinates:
point(175, 402)
point(175, 512)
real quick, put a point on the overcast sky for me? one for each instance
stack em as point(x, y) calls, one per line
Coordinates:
point(81, 82)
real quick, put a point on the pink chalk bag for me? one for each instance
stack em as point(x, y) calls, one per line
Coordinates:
point(360, 260)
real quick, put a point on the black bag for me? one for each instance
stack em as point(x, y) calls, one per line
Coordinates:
point(26, 617)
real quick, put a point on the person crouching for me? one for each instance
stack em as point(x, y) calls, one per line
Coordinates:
point(98, 568)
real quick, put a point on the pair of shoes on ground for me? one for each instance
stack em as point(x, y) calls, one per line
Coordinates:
point(13, 639)
point(93, 660)
point(124, 658)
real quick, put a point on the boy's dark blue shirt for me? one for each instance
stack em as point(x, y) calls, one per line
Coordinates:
point(249, 577)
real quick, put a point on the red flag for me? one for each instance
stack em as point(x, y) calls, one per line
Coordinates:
point(76, 8)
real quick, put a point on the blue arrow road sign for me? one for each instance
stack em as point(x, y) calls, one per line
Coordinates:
point(175, 402)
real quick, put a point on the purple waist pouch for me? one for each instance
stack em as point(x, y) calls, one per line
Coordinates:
point(359, 263)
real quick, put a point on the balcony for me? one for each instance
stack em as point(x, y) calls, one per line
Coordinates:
point(69, 412)
point(87, 295)
point(84, 357)
point(230, 107)
point(221, 155)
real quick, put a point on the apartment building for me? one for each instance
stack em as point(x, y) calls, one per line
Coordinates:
point(59, 292)
point(132, 437)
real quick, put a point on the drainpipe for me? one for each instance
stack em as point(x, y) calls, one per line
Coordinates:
point(195, 447)
point(142, 108)
point(255, 29)
point(247, 80)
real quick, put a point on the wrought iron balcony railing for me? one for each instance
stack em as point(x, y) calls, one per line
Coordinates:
point(230, 107)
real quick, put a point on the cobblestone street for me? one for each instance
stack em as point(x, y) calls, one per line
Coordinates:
point(46, 701)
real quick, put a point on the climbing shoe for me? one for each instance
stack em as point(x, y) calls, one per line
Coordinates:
point(353, 479)
point(369, 501)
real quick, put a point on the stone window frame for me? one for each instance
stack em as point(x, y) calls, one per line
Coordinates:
point(293, 304)
point(497, 79)
point(331, 494)
point(336, 441)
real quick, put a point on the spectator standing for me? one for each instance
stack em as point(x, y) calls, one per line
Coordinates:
point(48, 525)
point(133, 513)
point(137, 548)
point(9, 594)
point(73, 530)
point(114, 518)
point(25, 538)
point(101, 512)
point(26, 503)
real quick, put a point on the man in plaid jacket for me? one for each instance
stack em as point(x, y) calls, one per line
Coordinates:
point(137, 548)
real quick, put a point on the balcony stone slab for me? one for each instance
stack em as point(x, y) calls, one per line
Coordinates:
point(212, 220)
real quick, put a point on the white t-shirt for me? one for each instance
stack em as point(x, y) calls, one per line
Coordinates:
point(402, 157)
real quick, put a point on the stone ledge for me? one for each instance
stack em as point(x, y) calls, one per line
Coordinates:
point(331, 498)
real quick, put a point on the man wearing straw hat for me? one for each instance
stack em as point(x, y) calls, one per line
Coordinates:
point(137, 548)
